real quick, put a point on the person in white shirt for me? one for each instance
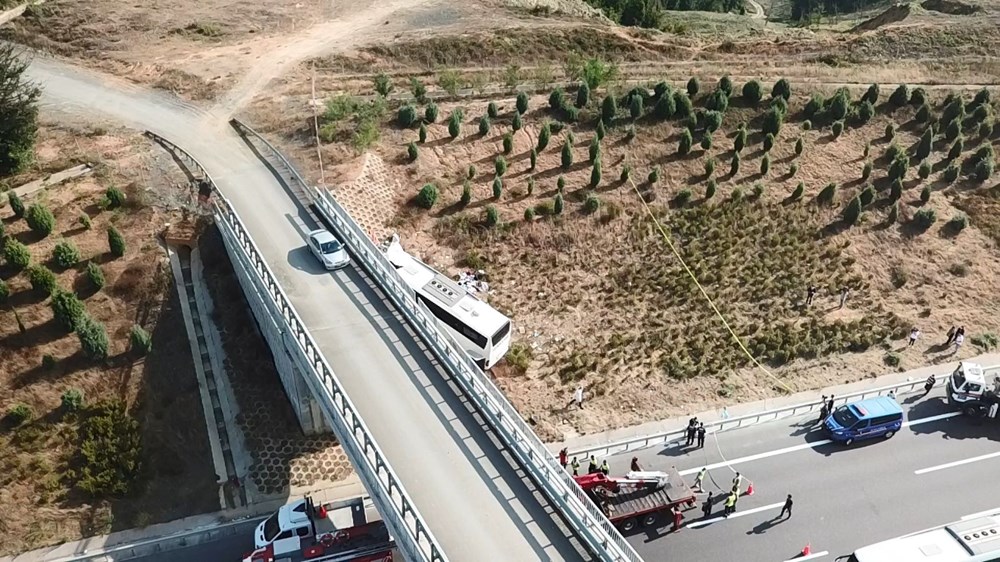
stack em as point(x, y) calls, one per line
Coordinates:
point(914, 334)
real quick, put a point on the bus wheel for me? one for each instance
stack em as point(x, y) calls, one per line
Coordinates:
point(649, 520)
point(889, 434)
point(629, 525)
point(849, 442)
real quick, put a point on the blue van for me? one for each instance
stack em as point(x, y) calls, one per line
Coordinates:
point(874, 417)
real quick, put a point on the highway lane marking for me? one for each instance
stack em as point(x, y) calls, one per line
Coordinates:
point(978, 514)
point(803, 446)
point(696, 524)
point(810, 557)
point(956, 463)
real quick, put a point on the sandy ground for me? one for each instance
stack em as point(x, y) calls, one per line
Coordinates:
point(40, 504)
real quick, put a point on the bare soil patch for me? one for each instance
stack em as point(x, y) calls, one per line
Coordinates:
point(40, 463)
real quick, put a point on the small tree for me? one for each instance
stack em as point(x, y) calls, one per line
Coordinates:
point(4, 291)
point(924, 218)
point(65, 254)
point(765, 165)
point(567, 156)
point(40, 219)
point(768, 142)
point(533, 159)
point(706, 143)
point(782, 89)
point(508, 143)
point(418, 89)
point(411, 151)
point(923, 114)
point(15, 254)
point(67, 309)
point(896, 190)
point(867, 196)
point(682, 105)
point(466, 194)
point(595, 174)
point(827, 195)
point(710, 189)
point(839, 105)
point(866, 111)
point(500, 165)
point(868, 149)
point(654, 175)
point(684, 146)
point(734, 165)
point(852, 212)
point(984, 170)
point(407, 116)
point(594, 150)
point(893, 214)
point(116, 242)
point(800, 189)
point(713, 120)
point(516, 124)
point(924, 171)
point(427, 196)
point(925, 144)
point(693, 86)
point(709, 167)
point(609, 109)
point(492, 111)
point(42, 280)
point(471, 172)
point(871, 96)
point(95, 275)
point(635, 107)
point(813, 106)
point(583, 96)
point(16, 204)
point(752, 92)
point(115, 197)
point(793, 169)
point(718, 101)
point(529, 214)
point(93, 338)
point(866, 171)
point(630, 133)
point(682, 198)
point(72, 400)
point(492, 216)
point(531, 185)
point(901, 96)
point(484, 125)
point(431, 113)
point(522, 103)
point(543, 136)
point(741, 139)
point(726, 85)
point(560, 184)
point(557, 205)
point(773, 120)
point(454, 125)
point(665, 107)
point(925, 194)
point(422, 134)
point(951, 173)
point(557, 100)
point(838, 129)
point(600, 130)
point(383, 84)
point(497, 187)
point(626, 173)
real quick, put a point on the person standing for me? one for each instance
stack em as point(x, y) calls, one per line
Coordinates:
point(706, 507)
point(578, 397)
point(605, 468)
point(678, 517)
point(737, 482)
point(829, 404)
point(562, 457)
point(810, 293)
point(844, 293)
point(951, 335)
point(787, 508)
point(959, 340)
point(960, 331)
point(701, 435)
point(576, 467)
point(635, 465)
point(698, 480)
point(730, 505)
point(931, 381)
point(824, 410)
point(692, 430)
point(914, 334)
point(592, 468)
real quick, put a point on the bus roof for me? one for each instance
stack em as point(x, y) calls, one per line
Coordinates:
point(879, 406)
point(933, 546)
point(444, 292)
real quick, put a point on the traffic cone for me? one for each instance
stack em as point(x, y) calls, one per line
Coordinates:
point(750, 489)
point(807, 550)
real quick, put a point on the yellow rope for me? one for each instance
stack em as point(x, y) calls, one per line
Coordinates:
point(670, 244)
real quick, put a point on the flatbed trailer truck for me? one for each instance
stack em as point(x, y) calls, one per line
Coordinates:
point(638, 499)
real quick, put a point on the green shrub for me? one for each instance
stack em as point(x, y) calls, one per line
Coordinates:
point(15, 254)
point(531, 185)
point(768, 142)
point(93, 338)
point(958, 222)
point(693, 86)
point(807, 125)
point(684, 145)
point(734, 165)
point(111, 452)
point(454, 125)
point(726, 85)
point(630, 133)
point(866, 171)
point(522, 103)
point(779, 104)
point(868, 149)
point(891, 359)
point(422, 134)
point(115, 197)
point(529, 214)
point(827, 195)
point(710, 189)
point(418, 89)
point(800, 189)
point(427, 196)
point(985, 341)
point(793, 169)
point(782, 89)
point(813, 106)
point(595, 174)
point(567, 155)
point(985, 129)
point(591, 204)
point(924, 218)
point(799, 146)
point(838, 129)
point(665, 107)
point(893, 215)
point(918, 97)
point(901, 96)
point(871, 96)
point(484, 125)
point(557, 205)
point(411, 151)
point(765, 165)
point(407, 116)
point(4, 291)
point(953, 130)
point(491, 110)
point(852, 212)
point(16, 204)
point(839, 105)
point(923, 114)
point(42, 280)
point(713, 120)
point(894, 152)
point(543, 136)
point(626, 173)
point(740, 141)
point(924, 171)
point(560, 184)
point(660, 90)
point(752, 92)
point(896, 189)
point(383, 84)
point(594, 150)
point(67, 310)
point(609, 109)
point(925, 144)
point(683, 197)
point(19, 414)
point(682, 105)
point(557, 100)
point(40, 219)
point(500, 165)
point(718, 101)
point(867, 196)
point(517, 124)
point(951, 173)
point(758, 190)
point(635, 107)
point(72, 400)
point(140, 340)
point(898, 167)
point(925, 194)
point(466, 194)
point(654, 175)
point(709, 167)
point(583, 96)
point(737, 195)
point(984, 170)
point(497, 187)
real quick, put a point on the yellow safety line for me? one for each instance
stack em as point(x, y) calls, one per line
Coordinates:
point(666, 237)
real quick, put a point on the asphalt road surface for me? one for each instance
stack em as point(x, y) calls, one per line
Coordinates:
point(844, 497)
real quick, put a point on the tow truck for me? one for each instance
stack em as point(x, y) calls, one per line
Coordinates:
point(331, 532)
point(969, 390)
point(639, 498)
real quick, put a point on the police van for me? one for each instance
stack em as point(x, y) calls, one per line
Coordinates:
point(866, 419)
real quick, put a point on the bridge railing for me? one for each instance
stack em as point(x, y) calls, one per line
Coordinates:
point(586, 519)
point(408, 528)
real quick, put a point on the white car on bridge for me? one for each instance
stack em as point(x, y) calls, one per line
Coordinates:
point(328, 250)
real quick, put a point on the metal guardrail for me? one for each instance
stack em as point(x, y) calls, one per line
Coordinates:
point(669, 437)
point(587, 521)
point(412, 535)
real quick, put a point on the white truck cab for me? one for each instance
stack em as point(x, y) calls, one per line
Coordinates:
point(294, 524)
point(967, 383)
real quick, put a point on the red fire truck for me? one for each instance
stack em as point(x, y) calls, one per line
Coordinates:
point(304, 532)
